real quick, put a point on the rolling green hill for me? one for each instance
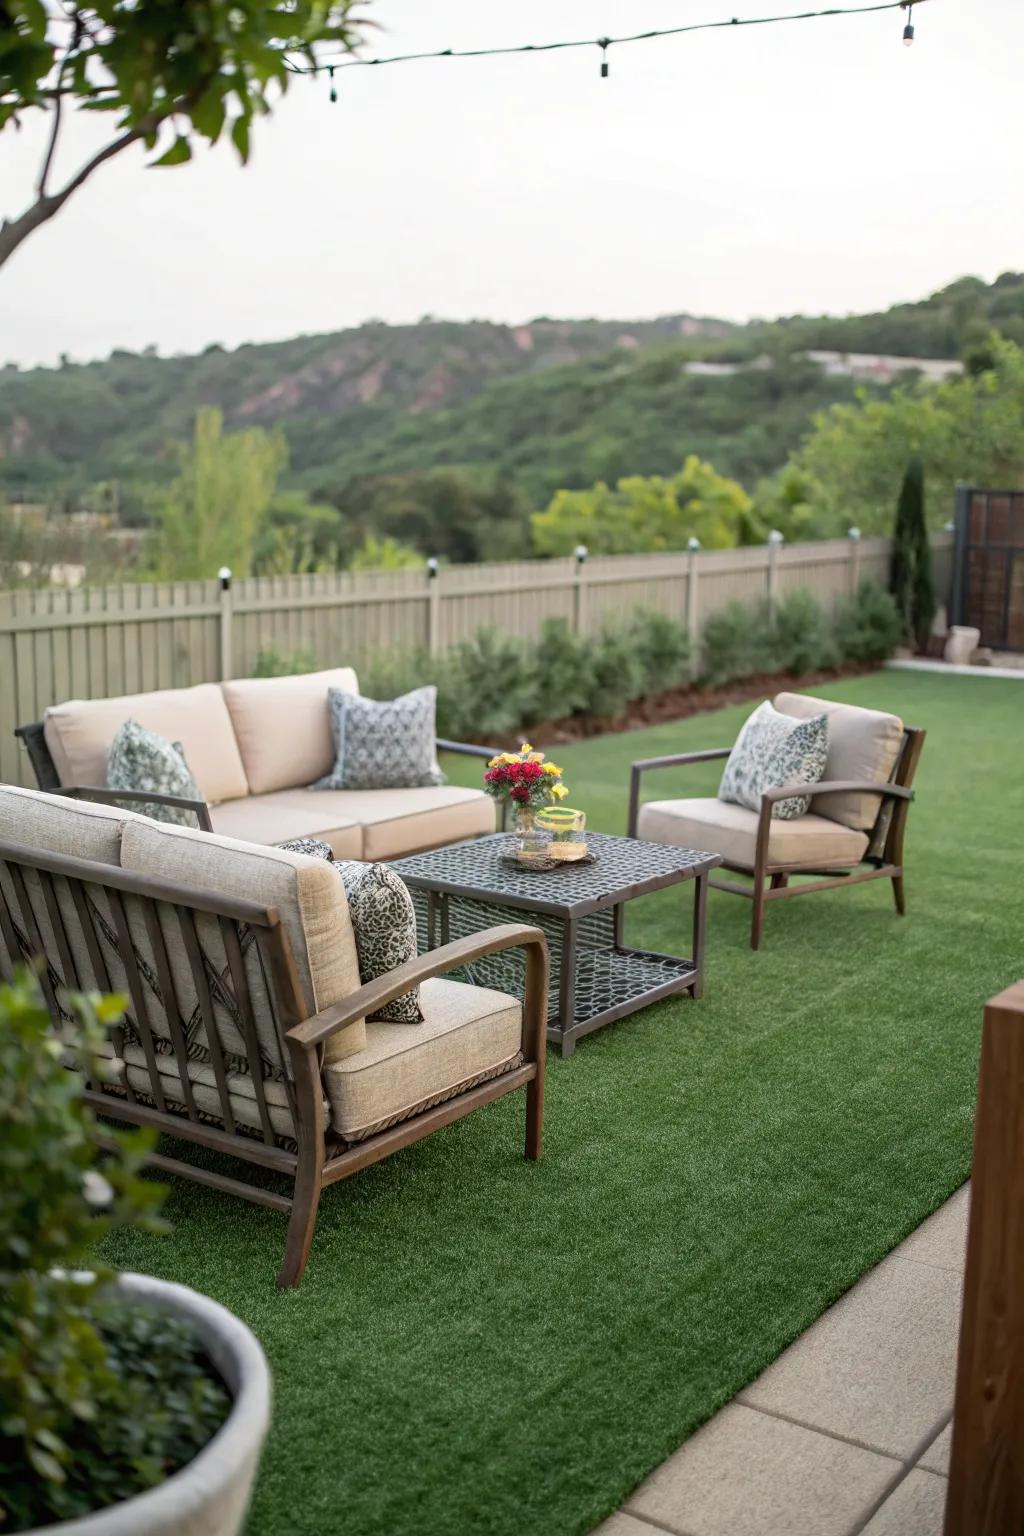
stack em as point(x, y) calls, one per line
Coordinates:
point(538, 407)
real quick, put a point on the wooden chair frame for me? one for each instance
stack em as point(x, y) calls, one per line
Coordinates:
point(887, 834)
point(105, 895)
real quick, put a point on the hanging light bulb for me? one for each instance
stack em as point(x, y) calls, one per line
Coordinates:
point(334, 89)
point(603, 43)
point(908, 30)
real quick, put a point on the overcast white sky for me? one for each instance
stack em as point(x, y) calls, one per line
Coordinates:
point(815, 166)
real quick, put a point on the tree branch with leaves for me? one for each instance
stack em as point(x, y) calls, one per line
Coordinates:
point(171, 71)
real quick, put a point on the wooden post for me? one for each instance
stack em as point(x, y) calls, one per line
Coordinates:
point(226, 623)
point(693, 608)
point(853, 534)
point(775, 541)
point(986, 1474)
point(579, 592)
point(433, 606)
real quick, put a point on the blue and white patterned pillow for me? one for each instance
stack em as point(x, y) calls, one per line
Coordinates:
point(380, 745)
point(140, 759)
point(773, 750)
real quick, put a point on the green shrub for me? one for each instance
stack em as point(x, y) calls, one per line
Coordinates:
point(486, 687)
point(663, 650)
point(272, 663)
point(868, 627)
point(389, 674)
point(616, 673)
point(800, 638)
point(562, 674)
point(734, 645)
point(99, 1399)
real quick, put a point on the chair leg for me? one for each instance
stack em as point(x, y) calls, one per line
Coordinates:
point(757, 922)
point(899, 894)
point(779, 882)
point(534, 1117)
point(301, 1225)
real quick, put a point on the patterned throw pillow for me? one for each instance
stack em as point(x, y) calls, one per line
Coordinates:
point(384, 925)
point(140, 759)
point(383, 745)
point(312, 847)
point(773, 750)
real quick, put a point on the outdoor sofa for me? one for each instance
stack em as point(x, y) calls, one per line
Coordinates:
point(246, 1029)
point(254, 746)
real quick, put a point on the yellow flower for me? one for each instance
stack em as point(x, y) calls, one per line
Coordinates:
point(535, 757)
point(559, 791)
point(552, 769)
point(526, 747)
point(494, 762)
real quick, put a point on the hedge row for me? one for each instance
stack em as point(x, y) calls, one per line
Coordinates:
point(493, 686)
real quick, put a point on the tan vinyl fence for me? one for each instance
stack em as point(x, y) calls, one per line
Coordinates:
point(101, 641)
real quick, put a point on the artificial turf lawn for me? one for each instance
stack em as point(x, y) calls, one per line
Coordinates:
point(483, 1344)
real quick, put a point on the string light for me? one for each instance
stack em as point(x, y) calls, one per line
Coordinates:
point(604, 43)
point(908, 30)
point(330, 76)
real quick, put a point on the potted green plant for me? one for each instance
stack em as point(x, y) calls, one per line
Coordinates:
point(128, 1406)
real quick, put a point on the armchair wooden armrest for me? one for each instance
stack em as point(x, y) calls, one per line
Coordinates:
point(369, 998)
point(770, 797)
point(676, 760)
point(105, 796)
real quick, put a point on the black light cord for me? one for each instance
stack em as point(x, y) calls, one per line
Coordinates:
point(603, 43)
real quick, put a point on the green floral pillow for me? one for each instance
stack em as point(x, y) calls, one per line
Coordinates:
point(141, 760)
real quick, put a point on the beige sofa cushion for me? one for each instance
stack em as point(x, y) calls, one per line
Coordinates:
point(79, 735)
point(467, 1034)
point(400, 821)
point(203, 1079)
point(310, 901)
point(863, 744)
point(731, 830)
point(283, 726)
point(276, 818)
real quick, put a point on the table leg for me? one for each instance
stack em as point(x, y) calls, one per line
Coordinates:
point(567, 988)
point(700, 914)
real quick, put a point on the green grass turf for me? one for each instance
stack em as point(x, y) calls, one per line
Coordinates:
point(481, 1344)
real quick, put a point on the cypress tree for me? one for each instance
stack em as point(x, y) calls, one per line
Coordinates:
point(910, 578)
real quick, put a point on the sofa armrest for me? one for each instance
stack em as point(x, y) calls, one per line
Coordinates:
point(836, 787)
point(645, 764)
point(467, 749)
point(312, 1032)
point(106, 796)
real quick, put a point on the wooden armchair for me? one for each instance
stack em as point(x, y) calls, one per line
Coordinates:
point(771, 850)
point(219, 1046)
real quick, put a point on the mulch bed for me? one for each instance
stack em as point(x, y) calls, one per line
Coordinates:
point(680, 703)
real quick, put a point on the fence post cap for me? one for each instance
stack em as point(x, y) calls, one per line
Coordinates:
point(949, 526)
point(433, 567)
point(693, 544)
point(775, 537)
point(853, 533)
point(581, 552)
point(224, 577)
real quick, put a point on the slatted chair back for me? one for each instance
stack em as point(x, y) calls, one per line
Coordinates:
point(887, 831)
point(209, 982)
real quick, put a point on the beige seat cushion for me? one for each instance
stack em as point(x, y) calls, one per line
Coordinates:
point(863, 744)
point(276, 818)
point(310, 901)
point(467, 1034)
point(731, 830)
point(240, 1085)
point(79, 735)
point(400, 821)
point(283, 726)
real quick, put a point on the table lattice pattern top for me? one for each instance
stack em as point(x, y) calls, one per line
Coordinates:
point(625, 867)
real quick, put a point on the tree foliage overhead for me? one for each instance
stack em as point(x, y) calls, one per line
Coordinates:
point(169, 71)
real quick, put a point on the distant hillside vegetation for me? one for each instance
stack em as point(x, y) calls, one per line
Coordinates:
point(542, 406)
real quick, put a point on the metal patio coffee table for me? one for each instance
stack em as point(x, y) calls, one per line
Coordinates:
point(595, 977)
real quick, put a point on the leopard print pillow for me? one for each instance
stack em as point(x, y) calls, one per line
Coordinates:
point(140, 759)
point(384, 924)
point(773, 750)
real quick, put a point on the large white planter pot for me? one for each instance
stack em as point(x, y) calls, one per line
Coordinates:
point(210, 1496)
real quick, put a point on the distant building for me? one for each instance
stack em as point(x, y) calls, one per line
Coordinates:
point(881, 369)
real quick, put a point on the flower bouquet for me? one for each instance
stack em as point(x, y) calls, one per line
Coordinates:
point(527, 782)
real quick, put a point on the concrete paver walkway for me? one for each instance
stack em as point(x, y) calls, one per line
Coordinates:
point(848, 1432)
